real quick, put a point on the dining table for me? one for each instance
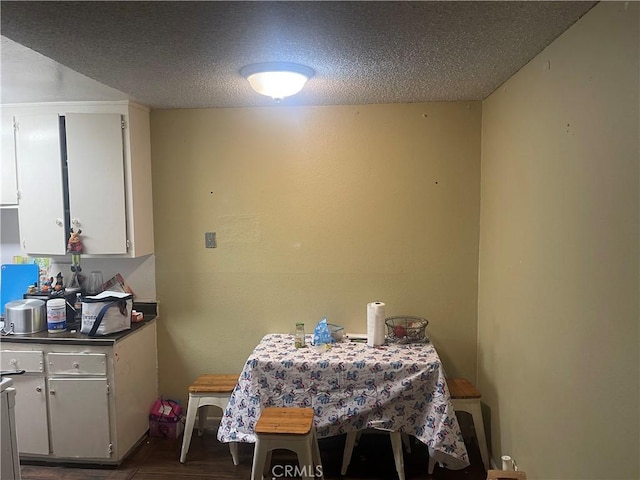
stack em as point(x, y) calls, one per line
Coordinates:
point(351, 386)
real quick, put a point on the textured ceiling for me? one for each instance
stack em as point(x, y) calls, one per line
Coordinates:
point(189, 54)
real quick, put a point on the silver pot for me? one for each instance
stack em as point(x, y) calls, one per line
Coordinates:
point(25, 316)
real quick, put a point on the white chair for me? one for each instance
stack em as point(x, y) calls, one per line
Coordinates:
point(465, 397)
point(288, 428)
point(208, 389)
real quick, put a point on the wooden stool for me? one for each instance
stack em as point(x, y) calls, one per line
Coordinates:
point(397, 440)
point(207, 390)
point(506, 475)
point(465, 397)
point(289, 429)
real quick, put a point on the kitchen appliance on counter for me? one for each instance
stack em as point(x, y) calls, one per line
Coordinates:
point(26, 316)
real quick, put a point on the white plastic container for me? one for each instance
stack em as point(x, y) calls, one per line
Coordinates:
point(57, 315)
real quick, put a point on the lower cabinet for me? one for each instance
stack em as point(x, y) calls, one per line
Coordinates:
point(86, 403)
point(9, 457)
point(32, 426)
point(31, 414)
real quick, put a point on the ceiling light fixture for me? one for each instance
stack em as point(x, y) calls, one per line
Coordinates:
point(277, 79)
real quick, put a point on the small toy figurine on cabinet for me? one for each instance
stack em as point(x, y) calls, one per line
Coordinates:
point(59, 283)
point(47, 285)
point(75, 248)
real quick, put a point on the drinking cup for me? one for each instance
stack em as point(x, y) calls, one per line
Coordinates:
point(94, 285)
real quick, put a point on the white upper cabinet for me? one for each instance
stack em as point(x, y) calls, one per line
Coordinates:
point(41, 213)
point(86, 167)
point(96, 181)
point(8, 184)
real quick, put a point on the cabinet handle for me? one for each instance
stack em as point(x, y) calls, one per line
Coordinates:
point(76, 222)
point(59, 222)
point(52, 392)
point(38, 389)
point(75, 365)
point(13, 362)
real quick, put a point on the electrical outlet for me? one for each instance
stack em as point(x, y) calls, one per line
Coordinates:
point(210, 240)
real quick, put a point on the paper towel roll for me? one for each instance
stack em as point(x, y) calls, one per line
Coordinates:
point(375, 323)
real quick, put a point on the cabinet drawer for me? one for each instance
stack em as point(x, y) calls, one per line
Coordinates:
point(77, 363)
point(22, 360)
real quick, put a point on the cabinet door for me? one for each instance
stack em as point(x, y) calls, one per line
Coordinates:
point(96, 181)
point(9, 462)
point(8, 185)
point(41, 213)
point(31, 414)
point(79, 414)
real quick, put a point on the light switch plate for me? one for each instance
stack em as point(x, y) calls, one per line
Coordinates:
point(210, 240)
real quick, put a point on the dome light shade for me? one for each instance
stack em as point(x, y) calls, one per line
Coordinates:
point(277, 79)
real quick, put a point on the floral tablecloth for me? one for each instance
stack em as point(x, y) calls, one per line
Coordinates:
point(350, 387)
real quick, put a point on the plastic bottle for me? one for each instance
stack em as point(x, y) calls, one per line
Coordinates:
point(78, 308)
point(300, 342)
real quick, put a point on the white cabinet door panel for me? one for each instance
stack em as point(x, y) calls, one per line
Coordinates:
point(41, 209)
point(9, 462)
point(96, 181)
point(8, 186)
point(79, 410)
point(31, 414)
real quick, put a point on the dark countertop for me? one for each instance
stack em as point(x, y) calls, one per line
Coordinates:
point(74, 337)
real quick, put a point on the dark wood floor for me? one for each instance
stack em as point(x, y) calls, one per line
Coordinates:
point(158, 458)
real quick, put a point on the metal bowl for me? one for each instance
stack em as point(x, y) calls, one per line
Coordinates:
point(404, 329)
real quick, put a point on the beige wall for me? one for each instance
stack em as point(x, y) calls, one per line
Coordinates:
point(317, 211)
point(559, 255)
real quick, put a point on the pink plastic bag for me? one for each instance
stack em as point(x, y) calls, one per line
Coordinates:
point(165, 419)
point(167, 409)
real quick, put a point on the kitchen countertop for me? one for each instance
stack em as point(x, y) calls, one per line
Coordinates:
point(74, 337)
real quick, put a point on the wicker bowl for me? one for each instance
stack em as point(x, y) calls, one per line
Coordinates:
point(405, 329)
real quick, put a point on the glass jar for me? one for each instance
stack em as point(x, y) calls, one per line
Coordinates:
point(299, 335)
